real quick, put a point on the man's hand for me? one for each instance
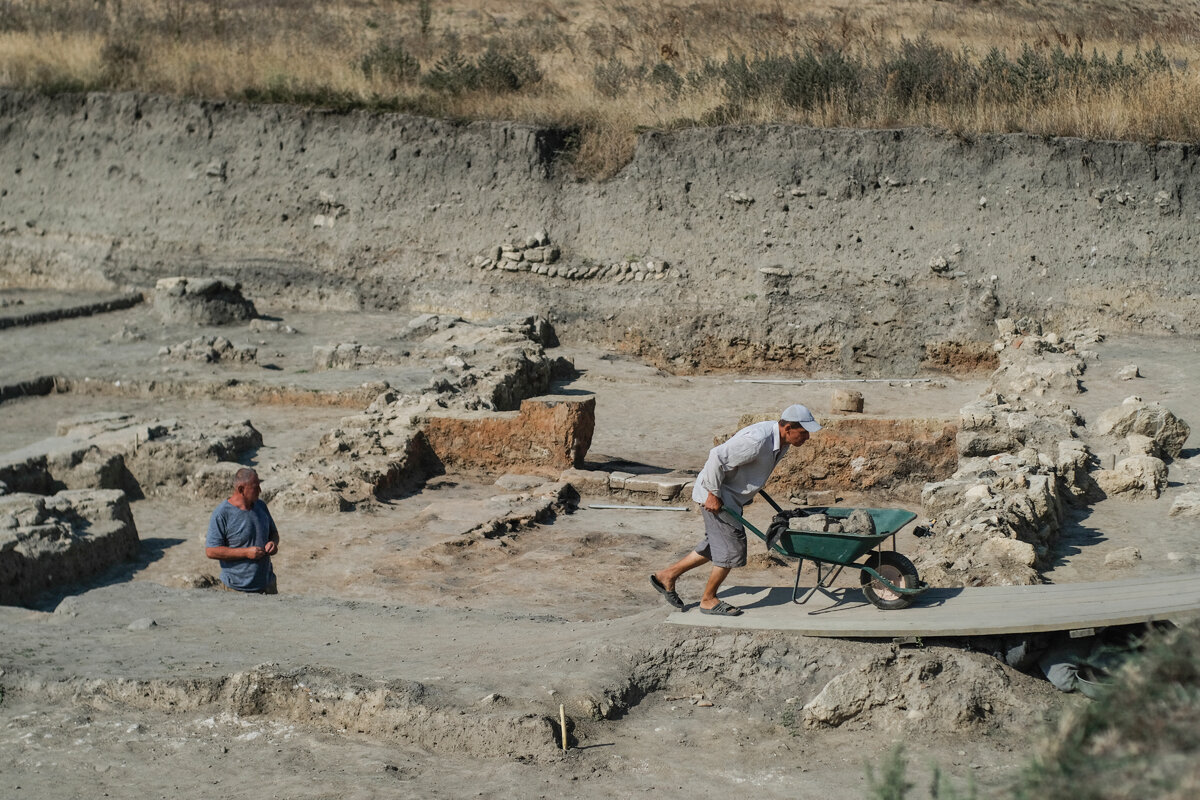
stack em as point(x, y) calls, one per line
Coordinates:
point(254, 553)
point(271, 548)
point(713, 503)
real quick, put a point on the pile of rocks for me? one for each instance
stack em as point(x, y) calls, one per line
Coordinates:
point(537, 256)
point(532, 254)
point(1148, 436)
point(485, 368)
point(209, 350)
point(203, 301)
point(1024, 453)
point(352, 356)
point(118, 451)
point(47, 542)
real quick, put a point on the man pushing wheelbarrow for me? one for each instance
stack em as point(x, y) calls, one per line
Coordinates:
point(735, 471)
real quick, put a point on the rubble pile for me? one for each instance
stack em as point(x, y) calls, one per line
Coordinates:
point(61, 539)
point(119, 451)
point(400, 439)
point(202, 301)
point(209, 350)
point(1025, 453)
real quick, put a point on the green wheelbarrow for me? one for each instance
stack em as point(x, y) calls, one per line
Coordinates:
point(888, 579)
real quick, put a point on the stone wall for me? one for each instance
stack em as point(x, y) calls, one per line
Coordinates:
point(48, 542)
point(545, 437)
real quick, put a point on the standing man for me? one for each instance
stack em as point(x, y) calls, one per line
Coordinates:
point(242, 535)
point(734, 472)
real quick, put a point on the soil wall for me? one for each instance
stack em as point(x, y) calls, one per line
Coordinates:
point(812, 250)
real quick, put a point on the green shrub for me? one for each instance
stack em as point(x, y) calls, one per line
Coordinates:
point(611, 78)
point(664, 75)
point(1139, 738)
point(502, 72)
point(392, 61)
point(452, 74)
point(120, 57)
point(923, 72)
point(811, 80)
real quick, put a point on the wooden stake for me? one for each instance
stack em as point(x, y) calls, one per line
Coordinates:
point(562, 721)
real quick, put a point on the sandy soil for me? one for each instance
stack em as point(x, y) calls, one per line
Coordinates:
point(466, 638)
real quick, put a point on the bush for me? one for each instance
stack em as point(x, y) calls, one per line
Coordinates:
point(1139, 738)
point(503, 72)
point(664, 75)
point(923, 72)
point(119, 59)
point(452, 74)
point(611, 78)
point(812, 81)
point(391, 61)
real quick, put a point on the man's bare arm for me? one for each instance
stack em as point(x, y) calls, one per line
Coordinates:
point(233, 553)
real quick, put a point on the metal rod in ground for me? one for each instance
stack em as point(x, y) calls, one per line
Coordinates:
point(833, 380)
point(639, 508)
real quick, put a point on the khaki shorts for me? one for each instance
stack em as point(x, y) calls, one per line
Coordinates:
point(724, 543)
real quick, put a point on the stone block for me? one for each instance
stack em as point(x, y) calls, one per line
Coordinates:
point(1186, 505)
point(1003, 551)
point(1122, 558)
point(846, 400)
point(586, 481)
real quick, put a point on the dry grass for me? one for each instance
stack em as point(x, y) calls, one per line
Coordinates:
point(609, 68)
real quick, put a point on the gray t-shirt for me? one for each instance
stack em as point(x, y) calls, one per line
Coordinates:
point(230, 526)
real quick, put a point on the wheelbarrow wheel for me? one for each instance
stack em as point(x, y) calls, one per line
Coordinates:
point(895, 568)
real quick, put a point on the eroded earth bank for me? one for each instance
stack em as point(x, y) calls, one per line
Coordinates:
point(446, 357)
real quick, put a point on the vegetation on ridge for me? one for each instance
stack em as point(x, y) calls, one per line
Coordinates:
point(1100, 69)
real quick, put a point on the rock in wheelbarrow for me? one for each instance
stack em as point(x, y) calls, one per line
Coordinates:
point(859, 523)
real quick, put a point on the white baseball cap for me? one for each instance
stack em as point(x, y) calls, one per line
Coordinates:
point(801, 414)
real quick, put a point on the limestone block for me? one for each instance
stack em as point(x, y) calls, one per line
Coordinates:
point(204, 301)
point(1140, 445)
point(586, 481)
point(1123, 557)
point(826, 498)
point(1004, 551)
point(663, 488)
point(213, 481)
point(616, 480)
point(1186, 505)
point(1136, 475)
point(977, 494)
point(1128, 373)
point(1148, 419)
point(518, 483)
point(846, 400)
point(984, 442)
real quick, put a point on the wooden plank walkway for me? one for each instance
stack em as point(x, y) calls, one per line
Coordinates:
point(979, 611)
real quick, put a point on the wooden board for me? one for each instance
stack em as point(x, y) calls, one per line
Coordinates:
point(960, 612)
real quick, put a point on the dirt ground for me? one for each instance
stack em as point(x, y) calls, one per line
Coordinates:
point(466, 647)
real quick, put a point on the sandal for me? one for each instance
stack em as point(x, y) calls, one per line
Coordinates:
point(722, 609)
point(668, 594)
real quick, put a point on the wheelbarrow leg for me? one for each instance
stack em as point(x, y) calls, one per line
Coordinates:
point(822, 584)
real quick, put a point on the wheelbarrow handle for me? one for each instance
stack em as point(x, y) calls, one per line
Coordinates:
point(771, 502)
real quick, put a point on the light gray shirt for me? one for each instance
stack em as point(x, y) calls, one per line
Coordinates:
point(738, 467)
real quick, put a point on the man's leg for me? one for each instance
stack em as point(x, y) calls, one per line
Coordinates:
point(709, 599)
point(668, 576)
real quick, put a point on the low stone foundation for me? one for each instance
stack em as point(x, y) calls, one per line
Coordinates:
point(545, 437)
point(46, 542)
